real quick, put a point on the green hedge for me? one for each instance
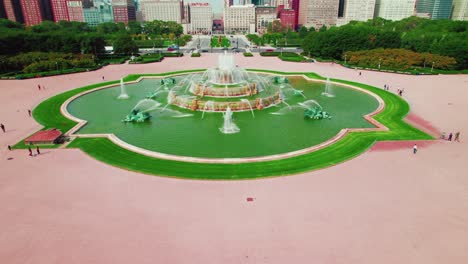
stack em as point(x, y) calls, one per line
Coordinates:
point(53, 73)
point(195, 54)
point(248, 54)
point(175, 54)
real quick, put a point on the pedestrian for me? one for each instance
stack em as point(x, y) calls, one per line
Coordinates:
point(415, 149)
point(2, 127)
point(442, 136)
point(29, 112)
point(103, 77)
point(37, 150)
point(450, 137)
point(9, 147)
point(39, 87)
point(30, 151)
point(385, 87)
point(360, 73)
point(457, 137)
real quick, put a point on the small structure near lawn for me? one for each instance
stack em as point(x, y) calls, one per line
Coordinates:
point(44, 137)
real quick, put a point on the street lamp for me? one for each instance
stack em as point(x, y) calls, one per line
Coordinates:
point(56, 65)
point(380, 60)
point(345, 59)
point(432, 66)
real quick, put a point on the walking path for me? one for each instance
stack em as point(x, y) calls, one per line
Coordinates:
point(386, 206)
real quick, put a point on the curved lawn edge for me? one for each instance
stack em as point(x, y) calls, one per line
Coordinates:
point(48, 114)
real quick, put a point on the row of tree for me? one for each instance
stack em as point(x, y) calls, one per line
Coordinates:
point(442, 37)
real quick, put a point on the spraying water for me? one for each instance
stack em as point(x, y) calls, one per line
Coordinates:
point(328, 89)
point(123, 93)
point(229, 126)
point(209, 106)
point(248, 102)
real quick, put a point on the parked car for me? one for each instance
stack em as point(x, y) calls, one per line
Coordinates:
point(270, 50)
point(171, 49)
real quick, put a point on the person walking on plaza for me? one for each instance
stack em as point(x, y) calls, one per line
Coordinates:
point(2, 127)
point(415, 149)
point(30, 151)
point(39, 87)
point(29, 112)
point(9, 147)
point(37, 149)
point(457, 137)
point(450, 137)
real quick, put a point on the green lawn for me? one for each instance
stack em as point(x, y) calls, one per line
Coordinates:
point(353, 144)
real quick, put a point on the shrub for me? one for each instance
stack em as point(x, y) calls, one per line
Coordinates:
point(248, 54)
point(196, 54)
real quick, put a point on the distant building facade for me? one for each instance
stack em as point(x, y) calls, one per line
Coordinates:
point(318, 13)
point(395, 9)
point(288, 18)
point(355, 10)
point(201, 18)
point(165, 10)
point(264, 16)
point(124, 10)
point(75, 10)
point(239, 19)
point(435, 9)
point(460, 10)
point(13, 10)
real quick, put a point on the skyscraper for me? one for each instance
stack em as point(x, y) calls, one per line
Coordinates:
point(318, 13)
point(75, 10)
point(59, 10)
point(357, 10)
point(436, 9)
point(460, 10)
point(395, 9)
point(124, 10)
point(200, 17)
point(33, 12)
point(13, 10)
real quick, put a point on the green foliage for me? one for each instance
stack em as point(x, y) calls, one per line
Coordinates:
point(398, 59)
point(124, 44)
point(248, 54)
point(148, 58)
point(220, 42)
point(442, 37)
point(195, 54)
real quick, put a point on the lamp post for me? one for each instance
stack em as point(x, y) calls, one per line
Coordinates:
point(56, 65)
point(432, 66)
point(380, 60)
point(345, 59)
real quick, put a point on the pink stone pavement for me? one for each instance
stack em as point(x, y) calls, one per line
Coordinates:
point(381, 207)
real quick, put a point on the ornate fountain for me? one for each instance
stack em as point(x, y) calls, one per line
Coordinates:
point(216, 89)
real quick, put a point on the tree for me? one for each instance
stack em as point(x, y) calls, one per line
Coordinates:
point(303, 32)
point(124, 44)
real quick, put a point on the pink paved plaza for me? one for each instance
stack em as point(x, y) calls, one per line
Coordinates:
point(385, 206)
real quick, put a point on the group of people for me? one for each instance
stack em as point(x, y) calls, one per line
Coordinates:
point(451, 136)
point(31, 152)
point(386, 87)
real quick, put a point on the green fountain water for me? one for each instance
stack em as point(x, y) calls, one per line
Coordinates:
point(210, 131)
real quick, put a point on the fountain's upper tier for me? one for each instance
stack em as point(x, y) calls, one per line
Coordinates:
point(226, 62)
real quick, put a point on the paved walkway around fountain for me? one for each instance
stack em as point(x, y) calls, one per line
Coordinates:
point(385, 206)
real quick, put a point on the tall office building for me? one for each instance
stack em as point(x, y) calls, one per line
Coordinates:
point(460, 10)
point(200, 17)
point(2, 10)
point(59, 10)
point(288, 18)
point(239, 19)
point(318, 13)
point(435, 9)
point(124, 10)
point(13, 10)
point(165, 10)
point(395, 9)
point(100, 12)
point(75, 10)
point(295, 5)
point(355, 10)
point(88, 3)
point(33, 12)
point(264, 16)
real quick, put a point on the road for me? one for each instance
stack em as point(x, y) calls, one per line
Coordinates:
point(202, 43)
